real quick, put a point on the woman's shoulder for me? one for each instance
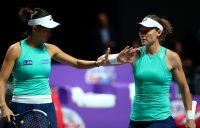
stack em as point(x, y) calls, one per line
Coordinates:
point(50, 46)
point(14, 50)
point(172, 55)
point(15, 47)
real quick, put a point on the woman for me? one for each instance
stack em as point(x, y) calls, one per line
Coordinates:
point(29, 60)
point(153, 67)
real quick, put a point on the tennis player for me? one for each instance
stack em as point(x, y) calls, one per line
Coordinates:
point(153, 67)
point(29, 60)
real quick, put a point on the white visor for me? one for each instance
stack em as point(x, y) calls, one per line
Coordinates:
point(148, 22)
point(46, 22)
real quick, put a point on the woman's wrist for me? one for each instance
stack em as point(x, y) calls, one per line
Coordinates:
point(189, 114)
point(96, 64)
point(3, 106)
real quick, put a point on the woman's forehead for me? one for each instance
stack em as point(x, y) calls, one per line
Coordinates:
point(47, 29)
point(143, 27)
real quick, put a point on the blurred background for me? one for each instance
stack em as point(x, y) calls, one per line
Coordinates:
point(79, 19)
point(78, 36)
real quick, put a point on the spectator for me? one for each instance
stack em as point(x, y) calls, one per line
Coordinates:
point(103, 35)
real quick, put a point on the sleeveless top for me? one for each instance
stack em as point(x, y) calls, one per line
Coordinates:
point(31, 71)
point(152, 84)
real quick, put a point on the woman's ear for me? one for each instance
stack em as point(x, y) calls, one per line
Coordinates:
point(159, 32)
point(34, 28)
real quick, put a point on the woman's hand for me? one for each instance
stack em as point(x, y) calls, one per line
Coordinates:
point(103, 60)
point(127, 55)
point(190, 124)
point(6, 113)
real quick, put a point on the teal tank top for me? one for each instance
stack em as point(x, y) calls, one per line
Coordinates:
point(152, 84)
point(31, 71)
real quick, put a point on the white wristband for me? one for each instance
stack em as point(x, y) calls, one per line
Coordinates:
point(113, 59)
point(190, 114)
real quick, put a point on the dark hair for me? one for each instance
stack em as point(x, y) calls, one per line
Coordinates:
point(26, 14)
point(167, 27)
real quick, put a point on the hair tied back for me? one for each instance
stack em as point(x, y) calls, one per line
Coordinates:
point(30, 11)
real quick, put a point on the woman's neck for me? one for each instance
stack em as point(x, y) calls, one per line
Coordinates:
point(32, 42)
point(153, 48)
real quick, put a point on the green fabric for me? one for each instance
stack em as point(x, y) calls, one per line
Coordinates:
point(152, 83)
point(31, 71)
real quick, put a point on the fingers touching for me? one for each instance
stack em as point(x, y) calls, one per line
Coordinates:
point(107, 53)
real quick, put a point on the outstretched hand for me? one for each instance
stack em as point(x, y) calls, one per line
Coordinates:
point(127, 55)
point(103, 60)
